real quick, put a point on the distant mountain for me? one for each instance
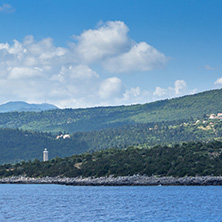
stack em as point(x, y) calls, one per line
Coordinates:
point(23, 106)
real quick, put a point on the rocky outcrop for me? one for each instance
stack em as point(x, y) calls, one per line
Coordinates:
point(136, 180)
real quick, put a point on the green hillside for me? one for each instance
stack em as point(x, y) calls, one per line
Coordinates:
point(74, 120)
point(187, 159)
point(18, 145)
point(150, 134)
point(165, 123)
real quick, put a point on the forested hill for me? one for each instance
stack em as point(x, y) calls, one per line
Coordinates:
point(73, 120)
point(187, 159)
point(18, 145)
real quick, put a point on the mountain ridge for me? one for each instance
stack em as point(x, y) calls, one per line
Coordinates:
point(20, 106)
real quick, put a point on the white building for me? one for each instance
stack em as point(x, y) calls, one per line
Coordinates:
point(45, 155)
point(212, 116)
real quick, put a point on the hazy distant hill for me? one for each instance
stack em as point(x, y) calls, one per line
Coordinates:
point(23, 106)
point(98, 118)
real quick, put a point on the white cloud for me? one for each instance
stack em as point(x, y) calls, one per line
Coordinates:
point(35, 71)
point(81, 72)
point(24, 73)
point(111, 46)
point(7, 8)
point(4, 46)
point(180, 88)
point(109, 39)
point(136, 96)
point(111, 88)
point(218, 81)
point(140, 57)
point(160, 91)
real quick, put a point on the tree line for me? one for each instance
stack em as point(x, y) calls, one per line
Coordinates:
point(186, 159)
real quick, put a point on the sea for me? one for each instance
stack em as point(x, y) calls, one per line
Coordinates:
point(26, 202)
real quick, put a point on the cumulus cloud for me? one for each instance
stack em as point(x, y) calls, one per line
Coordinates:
point(136, 96)
point(218, 81)
point(36, 71)
point(160, 91)
point(111, 87)
point(71, 72)
point(24, 73)
point(179, 85)
point(112, 47)
point(179, 89)
point(108, 40)
point(7, 8)
point(141, 57)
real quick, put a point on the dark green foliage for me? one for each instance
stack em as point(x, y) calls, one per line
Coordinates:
point(17, 145)
point(187, 159)
point(150, 134)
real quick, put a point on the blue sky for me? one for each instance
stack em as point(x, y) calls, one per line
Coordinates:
point(99, 52)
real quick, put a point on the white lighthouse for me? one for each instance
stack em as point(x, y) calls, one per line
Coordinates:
point(45, 155)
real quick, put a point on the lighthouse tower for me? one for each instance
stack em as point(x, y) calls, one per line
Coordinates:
point(45, 155)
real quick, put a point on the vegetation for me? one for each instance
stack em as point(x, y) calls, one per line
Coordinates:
point(187, 159)
point(164, 122)
point(150, 134)
point(18, 145)
point(75, 120)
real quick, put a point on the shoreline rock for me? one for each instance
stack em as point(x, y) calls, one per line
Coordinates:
point(136, 180)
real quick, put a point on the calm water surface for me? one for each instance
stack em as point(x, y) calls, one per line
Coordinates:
point(68, 203)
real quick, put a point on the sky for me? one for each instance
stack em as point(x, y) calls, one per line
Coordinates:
point(87, 53)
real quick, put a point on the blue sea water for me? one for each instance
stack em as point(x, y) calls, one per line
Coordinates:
point(80, 203)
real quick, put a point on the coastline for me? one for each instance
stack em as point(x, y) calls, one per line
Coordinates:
point(135, 180)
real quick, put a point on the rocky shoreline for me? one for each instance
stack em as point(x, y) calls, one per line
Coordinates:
point(136, 180)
